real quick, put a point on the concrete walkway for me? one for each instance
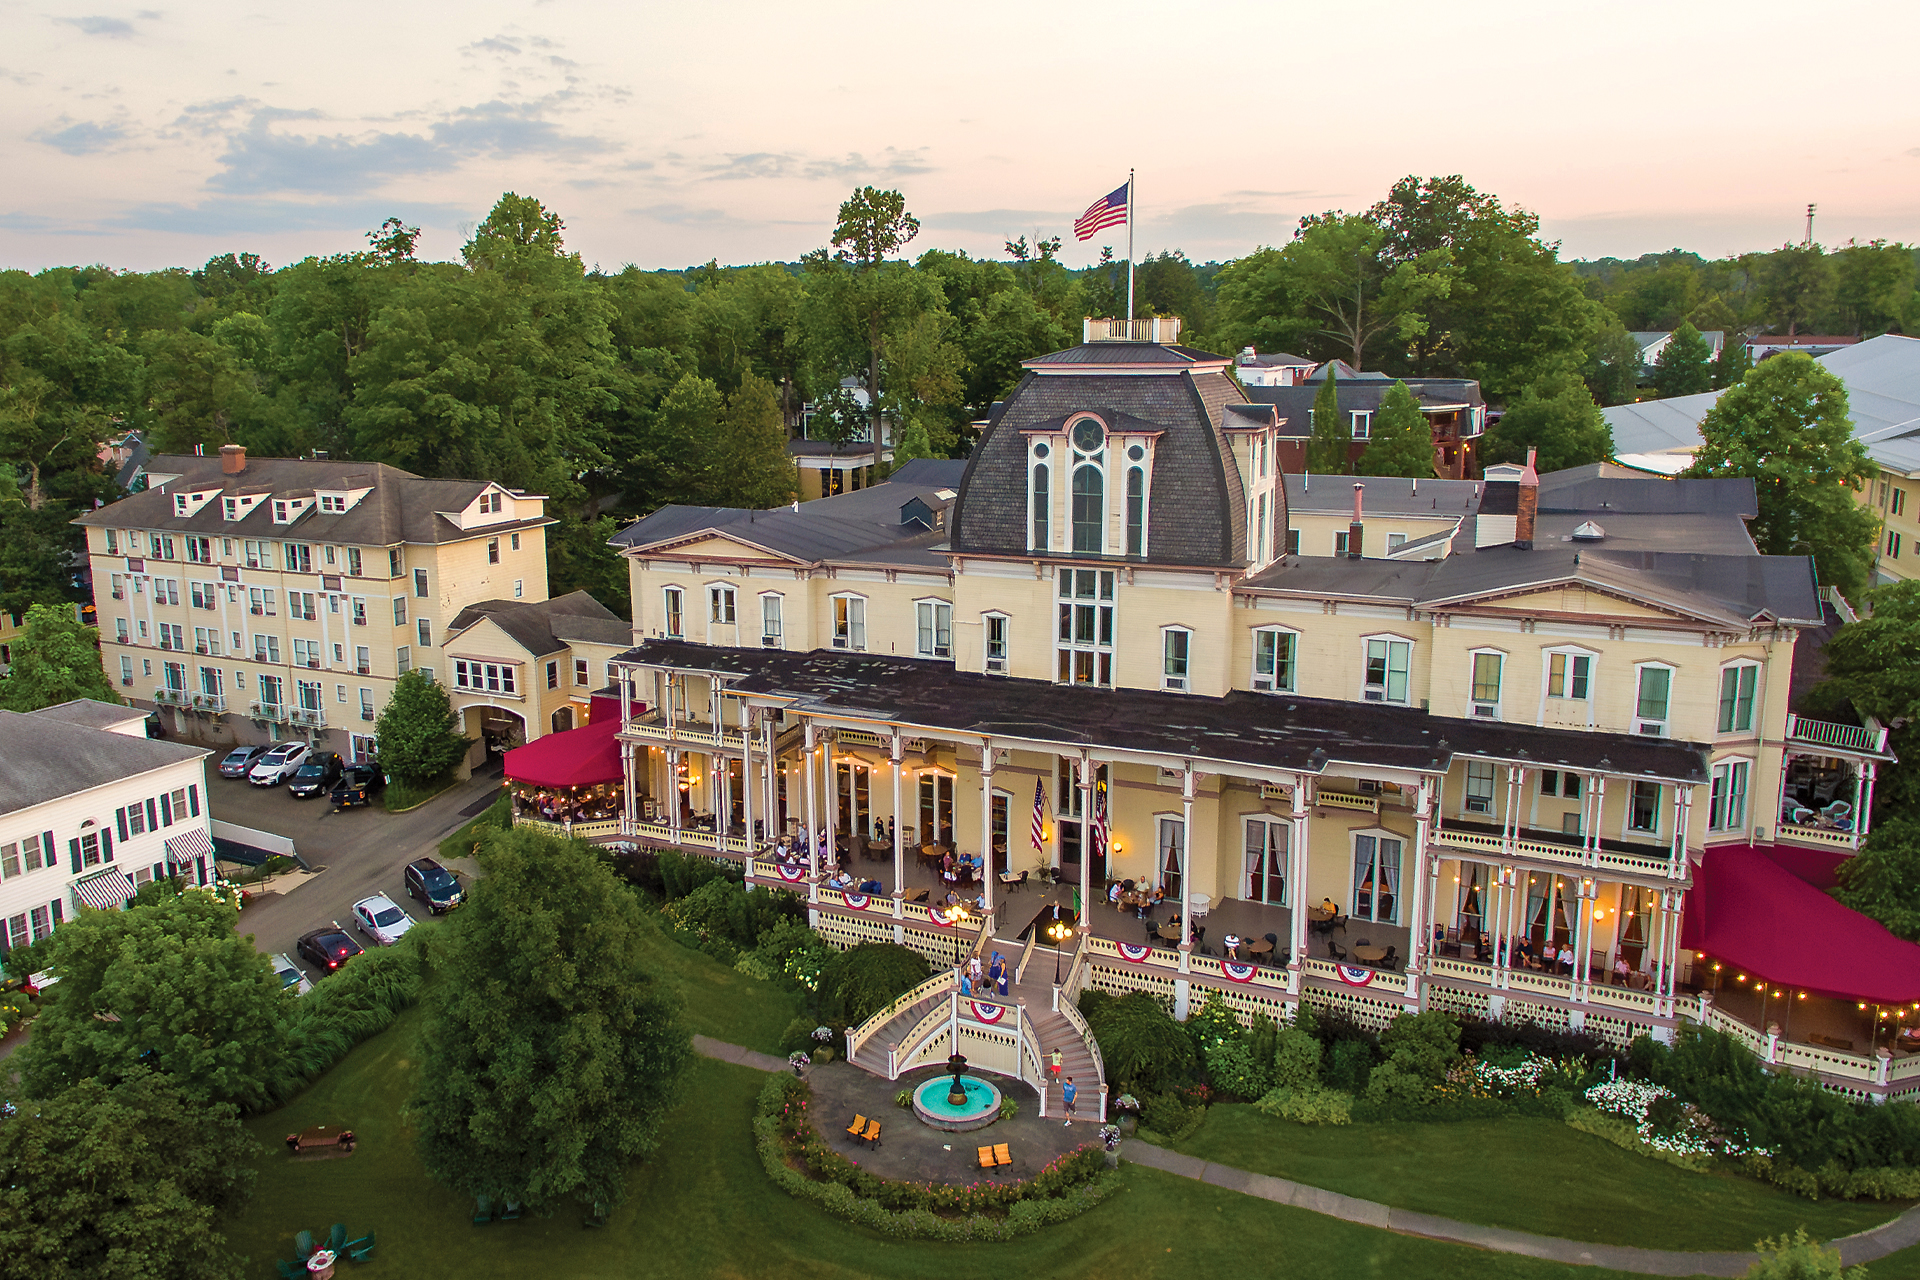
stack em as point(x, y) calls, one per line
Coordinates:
point(1865, 1246)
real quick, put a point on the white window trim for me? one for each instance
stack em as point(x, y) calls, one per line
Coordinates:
point(1390, 636)
point(1127, 466)
point(1746, 816)
point(854, 644)
point(1759, 690)
point(936, 602)
point(1253, 659)
point(986, 659)
point(1474, 704)
point(1400, 888)
point(1102, 461)
point(1266, 819)
point(779, 641)
point(715, 590)
point(1186, 680)
point(1052, 463)
point(1571, 651)
point(1627, 830)
point(665, 613)
point(1633, 708)
point(1493, 797)
point(1360, 424)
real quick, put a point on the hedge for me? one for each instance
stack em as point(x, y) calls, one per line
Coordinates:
point(1066, 1188)
point(359, 1001)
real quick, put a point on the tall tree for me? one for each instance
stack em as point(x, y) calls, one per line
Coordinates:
point(752, 447)
point(1873, 669)
point(1786, 425)
point(1329, 450)
point(1873, 284)
point(419, 733)
point(1684, 365)
point(166, 985)
point(1556, 416)
point(1795, 284)
point(550, 1055)
point(56, 658)
point(1400, 442)
point(1612, 371)
point(122, 1183)
point(1732, 363)
point(873, 227)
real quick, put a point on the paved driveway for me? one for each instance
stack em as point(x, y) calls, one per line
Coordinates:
point(363, 851)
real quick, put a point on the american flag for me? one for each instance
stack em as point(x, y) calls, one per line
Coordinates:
point(1100, 820)
point(1108, 211)
point(1039, 815)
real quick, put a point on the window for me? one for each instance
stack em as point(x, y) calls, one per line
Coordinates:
point(425, 630)
point(204, 595)
point(519, 588)
point(1899, 501)
point(310, 694)
point(553, 675)
point(771, 624)
point(1727, 810)
point(996, 643)
point(1362, 424)
point(493, 551)
point(1137, 506)
point(176, 675)
point(1259, 550)
point(301, 604)
point(119, 587)
point(1266, 846)
point(266, 648)
point(483, 677)
point(1388, 662)
point(1479, 786)
point(1084, 644)
point(339, 693)
point(1736, 697)
point(1293, 542)
point(166, 591)
point(120, 630)
point(126, 669)
point(1273, 657)
point(580, 672)
point(1340, 543)
point(513, 542)
point(1486, 683)
point(332, 504)
point(1569, 675)
point(366, 704)
point(420, 583)
point(1040, 502)
point(1175, 652)
point(1650, 705)
point(1555, 783)
point(363, 660)
point(89, 845)
point(402, 660)
point(353, 562)
point(306, 653)
point(933, 634)
point(1089, 508)
point(1893, 545)
point(359, 611)
point(399, 611)
point(1643, 807)
point(299, 557)
point(720, 605)
point(172, 636)
point(396, 557)
point(113, 540)
point(849, 622)
point(1376, 878)
point(673, 600)
point(200, 550)
point(1395, 541)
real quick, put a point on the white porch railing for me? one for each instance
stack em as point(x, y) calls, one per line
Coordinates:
point(1650, 863)
point(1344, 800)
point(871, 1027)
point(1150, 329)
point(1026, 955)
point(1071, 1013)
point(1841, 737)
point(1824, 837)
point(682, 732)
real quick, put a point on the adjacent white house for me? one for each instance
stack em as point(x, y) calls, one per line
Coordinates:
point(91, 808)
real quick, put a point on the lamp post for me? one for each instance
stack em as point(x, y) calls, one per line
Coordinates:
point(1056, 933)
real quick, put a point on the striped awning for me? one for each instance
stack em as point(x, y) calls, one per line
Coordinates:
point(106, 891)
point(188, 845)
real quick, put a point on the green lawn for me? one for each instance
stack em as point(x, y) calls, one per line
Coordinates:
point(1551, 1179)
point(720, 1003)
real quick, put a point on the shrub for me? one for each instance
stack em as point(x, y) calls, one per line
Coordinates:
point(858, 983)
point(1296, 1059)
point(1233, 1068)
point(1422, 1045)
point(1348, 1066)
point(1171, 1116)
point(1212, 1025)
point(464, 842)
point(360, 1000)
point(1800, 1257)
point(1144, 1049)
point(1308, 1105)
point(791, 950)
point(1008, 1107)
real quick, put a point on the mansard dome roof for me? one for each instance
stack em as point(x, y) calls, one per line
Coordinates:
point(1197, 509)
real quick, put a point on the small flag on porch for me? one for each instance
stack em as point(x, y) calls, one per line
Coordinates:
point(1100, 820)
point(1040, 815)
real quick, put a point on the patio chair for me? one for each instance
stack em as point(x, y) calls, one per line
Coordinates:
point(986, 1157)
point(303, 1245)
point(872, 1136)
point(482, 1210)
point(1838, 809)
point(859, 1123)
point(511, 1213)
point(598, 1218)
point(360, 1250)
point(337, 1238)
point(1338, 922)
point(1001, 1155)
point(1391, 960)
point(1334, 952)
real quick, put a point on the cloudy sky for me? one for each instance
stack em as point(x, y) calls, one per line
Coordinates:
point(667, 134)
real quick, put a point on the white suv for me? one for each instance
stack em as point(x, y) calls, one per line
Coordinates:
point(278, 764)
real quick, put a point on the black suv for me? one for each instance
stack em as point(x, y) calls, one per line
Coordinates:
point(434, 885)
point(327, 949)
point(321, 771)
point(357, 785)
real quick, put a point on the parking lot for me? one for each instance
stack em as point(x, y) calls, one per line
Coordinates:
point(364, 851)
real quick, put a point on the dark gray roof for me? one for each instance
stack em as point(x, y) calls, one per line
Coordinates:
point(1171, 355)
point(1736, 591)
point(1384, 495)
point(43, 758)
point(1197, 514)
point(853, 449)
point(1273, 360)
point(91, 714)
point(1585, 489)
point(1362, 393)
point(538, 625)
point(1275, 732)
point(402, 507)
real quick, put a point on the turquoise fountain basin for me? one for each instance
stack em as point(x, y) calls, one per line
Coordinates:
point(981, 1108)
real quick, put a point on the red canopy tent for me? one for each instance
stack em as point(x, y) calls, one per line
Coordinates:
point(1755, 908)
point(574, 758)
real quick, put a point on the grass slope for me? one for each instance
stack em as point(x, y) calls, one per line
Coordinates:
point(1550, 1180)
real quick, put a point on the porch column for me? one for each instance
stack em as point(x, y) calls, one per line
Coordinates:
point(1503, 944)
point(627, 802)
point(987, 870)
point(1599, 786)
point(813, 848)
point(1419, 943)
point(673, 793)
point(832, 797)
point(1507, 830)
point(1863, 803)
point(1583, 938)
point(1671, 901)
point(1054, 799)
point(746, 774)
point(1682, 809)
point(1186, 853)
point(1297, 876)
point(773, 794)
point(626, 695)
point(1086, 844)
point(899, 827)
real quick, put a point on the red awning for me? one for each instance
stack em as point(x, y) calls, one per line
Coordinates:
point(1748, 909)
point(574, 758)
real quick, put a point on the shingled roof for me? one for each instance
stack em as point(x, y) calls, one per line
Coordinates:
point(45, 757)
point(544, 626)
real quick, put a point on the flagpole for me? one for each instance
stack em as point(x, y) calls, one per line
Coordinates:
point(1129, 253)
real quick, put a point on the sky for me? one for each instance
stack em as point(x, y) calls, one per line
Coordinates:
point(666, 135)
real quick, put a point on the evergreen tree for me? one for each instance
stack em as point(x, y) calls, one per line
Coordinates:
point(1401, 442)
point(550, 1056)
point(1732, 363)
point(55, 659)
point(1558, 417)
point(1329, 452)
point(1786, 425)
point(419, 734)
point(913, 444)
point(751, 448)
point(1873, 669)
point(1683, 366)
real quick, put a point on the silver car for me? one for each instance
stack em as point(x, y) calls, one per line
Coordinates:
point(381, 919)
point(289, 974)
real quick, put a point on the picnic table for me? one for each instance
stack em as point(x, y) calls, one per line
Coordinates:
point(321, 1136)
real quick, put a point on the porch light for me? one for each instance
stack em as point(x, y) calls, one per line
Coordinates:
point(1802, 996)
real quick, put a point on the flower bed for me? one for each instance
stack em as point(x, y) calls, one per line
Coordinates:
point(801, 1162)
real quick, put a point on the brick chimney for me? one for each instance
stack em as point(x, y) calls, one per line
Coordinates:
point(1528, 507)
point(1356, 530)
point(233, 459)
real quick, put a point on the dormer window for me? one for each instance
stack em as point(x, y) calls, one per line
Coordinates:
point(332, 503)
point(179, 504)
point(1089, 513)
point(232, 506)
point(1362, 424)
point(279, 512)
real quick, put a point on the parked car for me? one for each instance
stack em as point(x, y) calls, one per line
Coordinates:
point(320, 771)
point(239, 762)
point(278, 764)
point(381, 919)
point(357, 785)
point(289, 974)
point(434, 885)
point(327, 949)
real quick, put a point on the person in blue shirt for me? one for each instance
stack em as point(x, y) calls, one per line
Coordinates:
point(1069, 1092)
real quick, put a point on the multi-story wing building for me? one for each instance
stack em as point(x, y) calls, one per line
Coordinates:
point(257, 599)
point(1493, 776)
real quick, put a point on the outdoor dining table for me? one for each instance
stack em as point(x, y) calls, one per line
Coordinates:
point(1169, 931)
point(1260, 948)
point(1320, 915)
point(320, 1264)
point(1372, 955)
